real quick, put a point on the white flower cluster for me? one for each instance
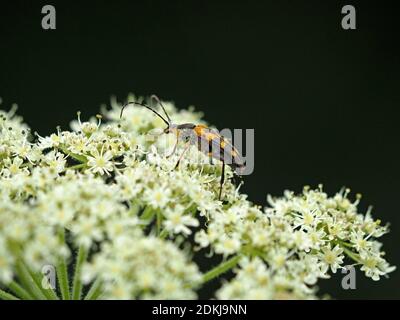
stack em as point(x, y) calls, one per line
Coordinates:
point(106, 192)
point(300, 238)
point(145, 268)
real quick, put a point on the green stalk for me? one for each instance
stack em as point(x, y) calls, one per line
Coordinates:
point(7, 296)
point(159, 219)
point(19, 291)
point(343, 243)
point(77, 285)
point(221, 268)
point(62, 271)
point(28, 282)
point(163, 234)
point(352, 255)
point(77, 166)
point(77, 157)
point(95, 290)
point(147, 214)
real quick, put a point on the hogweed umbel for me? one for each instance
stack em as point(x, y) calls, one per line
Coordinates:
point(103, 205)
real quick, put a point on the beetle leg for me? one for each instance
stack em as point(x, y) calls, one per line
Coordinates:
point(183, 152)
point(174, 149)
point(222, 179)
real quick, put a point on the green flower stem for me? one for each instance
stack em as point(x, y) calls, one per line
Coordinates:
point(163, 234)
point(95, 290)
point(7, 296)
point(345, 246)
point(75, 156)
point(343, 243)
point(221, 268)
point(352, 255)
point(77, 166)
point(28, 282)
point(62, 271)
point(159, 220)
point(147, 214)
point(19, 291)
point(77, 284)
point(253, 252)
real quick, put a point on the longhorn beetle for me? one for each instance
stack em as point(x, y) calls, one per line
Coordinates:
point(208, 141)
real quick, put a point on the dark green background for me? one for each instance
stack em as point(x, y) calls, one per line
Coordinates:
point(324, 102)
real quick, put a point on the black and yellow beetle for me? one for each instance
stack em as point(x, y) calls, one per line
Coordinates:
point(207, 140)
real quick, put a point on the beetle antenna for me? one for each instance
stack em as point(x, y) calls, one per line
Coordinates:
point(146, 106)
point(160, 103)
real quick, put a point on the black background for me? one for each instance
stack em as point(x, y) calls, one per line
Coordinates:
point(323, 101)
